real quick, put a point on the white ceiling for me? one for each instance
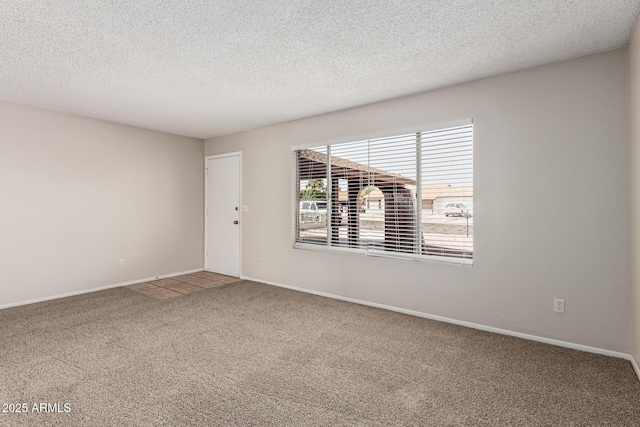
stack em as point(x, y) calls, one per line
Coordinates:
point(208, 68)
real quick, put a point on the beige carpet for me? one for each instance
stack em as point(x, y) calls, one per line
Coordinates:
point(252, 354)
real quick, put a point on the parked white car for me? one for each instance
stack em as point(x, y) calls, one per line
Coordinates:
point(456, 209)
point(313, 211)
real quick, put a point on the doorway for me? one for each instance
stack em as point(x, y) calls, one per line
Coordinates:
point(222, 214)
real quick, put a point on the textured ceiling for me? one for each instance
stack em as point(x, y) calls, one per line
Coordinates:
point(209, 68)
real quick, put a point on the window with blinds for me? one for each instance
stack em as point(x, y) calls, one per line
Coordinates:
point(407, 196)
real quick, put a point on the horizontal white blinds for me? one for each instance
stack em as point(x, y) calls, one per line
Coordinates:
point(447, 181)
point(408, 194)
point(312, 207)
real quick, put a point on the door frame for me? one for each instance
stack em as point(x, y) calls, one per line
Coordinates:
point(206, 206)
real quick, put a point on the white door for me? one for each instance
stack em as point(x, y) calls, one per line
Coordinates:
point(222, 252)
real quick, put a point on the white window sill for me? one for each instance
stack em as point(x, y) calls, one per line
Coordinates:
point(384, 254)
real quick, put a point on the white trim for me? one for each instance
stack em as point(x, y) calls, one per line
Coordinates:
point(100, 288)
point(387, 133)
point(334, 249)
point(635, 366)
point(240, 211)
point(219, 156)
point(384, 254)
point(472, 325)
point(206, 211)
point(421, 258)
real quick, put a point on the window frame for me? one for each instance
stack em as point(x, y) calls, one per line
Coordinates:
point(364, 251)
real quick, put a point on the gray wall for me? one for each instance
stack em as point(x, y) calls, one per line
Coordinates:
point(634, 178)
point(550, 199)
point(79, 194)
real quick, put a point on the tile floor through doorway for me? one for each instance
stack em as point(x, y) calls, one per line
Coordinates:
point(182, 285)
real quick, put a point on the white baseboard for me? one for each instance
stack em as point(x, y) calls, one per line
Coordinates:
point(101, 288)
point(635, 367)
point(530, 337)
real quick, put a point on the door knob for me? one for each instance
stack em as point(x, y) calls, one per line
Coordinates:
point(235, 222)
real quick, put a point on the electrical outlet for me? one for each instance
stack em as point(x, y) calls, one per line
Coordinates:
point(558, 305)
point(121, 263)
point(261, 260)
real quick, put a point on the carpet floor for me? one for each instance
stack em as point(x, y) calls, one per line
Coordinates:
point(251, 354)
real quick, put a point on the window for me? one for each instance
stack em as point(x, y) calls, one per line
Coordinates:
point(408, 196)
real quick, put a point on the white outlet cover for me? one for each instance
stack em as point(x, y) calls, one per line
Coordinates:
point(245, 208)
point(558, 305)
